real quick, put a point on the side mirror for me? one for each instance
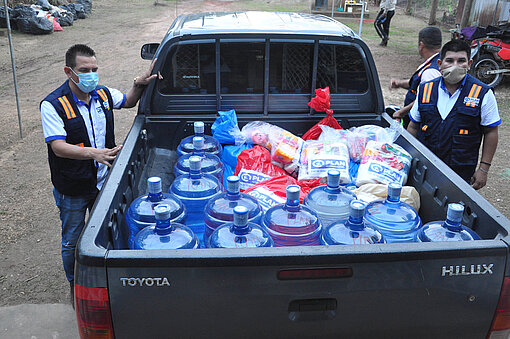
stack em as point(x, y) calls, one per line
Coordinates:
point(149, 50)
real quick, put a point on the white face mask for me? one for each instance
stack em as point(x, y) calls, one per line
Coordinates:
point(453, 75)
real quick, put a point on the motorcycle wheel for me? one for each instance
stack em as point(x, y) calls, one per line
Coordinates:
point(484, 64)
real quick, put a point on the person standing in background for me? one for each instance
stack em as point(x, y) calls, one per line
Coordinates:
point(429, 46)
point(383, 20)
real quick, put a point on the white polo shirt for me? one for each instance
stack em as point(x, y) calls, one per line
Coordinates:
point(95, 121)
point(445, 102)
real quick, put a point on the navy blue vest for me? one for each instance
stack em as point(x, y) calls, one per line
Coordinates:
point(415, 80)
point(69, 176)
point(455, 140)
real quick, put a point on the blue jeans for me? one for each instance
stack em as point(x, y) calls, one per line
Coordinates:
point(72, 214)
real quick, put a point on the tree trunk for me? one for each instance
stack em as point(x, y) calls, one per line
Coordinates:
point(466, 13)
point(409, 6)
point(433, 10)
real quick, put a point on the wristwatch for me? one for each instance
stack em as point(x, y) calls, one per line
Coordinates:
point(137, 85)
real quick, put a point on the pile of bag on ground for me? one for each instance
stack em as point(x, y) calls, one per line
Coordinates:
point(44, 18)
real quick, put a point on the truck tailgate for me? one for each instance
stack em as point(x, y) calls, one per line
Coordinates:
point(389, 290)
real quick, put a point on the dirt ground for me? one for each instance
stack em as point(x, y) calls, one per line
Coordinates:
point(30, 266)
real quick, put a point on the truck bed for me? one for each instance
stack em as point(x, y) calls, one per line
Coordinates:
point(439, 290)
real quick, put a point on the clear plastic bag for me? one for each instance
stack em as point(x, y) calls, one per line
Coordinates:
point(382, 163)
point(317, 158)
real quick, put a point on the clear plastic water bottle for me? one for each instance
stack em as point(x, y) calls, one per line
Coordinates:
point(140, 213)
point(240, 234)
point(165, 234)
point(195, 189)
point(331, 201)
point(212, 145)
point(396, 220)
point(352, 231)
point(292, 224)
point(211, 164)
point(450, 229)
point(220, 209)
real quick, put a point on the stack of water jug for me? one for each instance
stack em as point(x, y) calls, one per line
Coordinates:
point(198, 212)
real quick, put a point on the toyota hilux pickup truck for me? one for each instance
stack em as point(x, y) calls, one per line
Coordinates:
point(266, 66)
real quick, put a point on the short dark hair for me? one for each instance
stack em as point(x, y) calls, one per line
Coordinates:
point(431, 37)
point(76, 50)
point(456, 46)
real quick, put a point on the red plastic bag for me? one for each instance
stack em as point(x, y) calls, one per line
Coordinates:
point(278, 186)
point(254, 165)
point(321, 103)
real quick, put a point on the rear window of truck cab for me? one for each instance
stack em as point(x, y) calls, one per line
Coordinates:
point(239, 67)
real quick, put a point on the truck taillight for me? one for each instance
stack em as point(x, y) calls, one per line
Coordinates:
point(93, 312)
point(501, 323)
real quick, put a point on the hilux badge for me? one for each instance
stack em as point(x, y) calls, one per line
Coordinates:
point(449, 271)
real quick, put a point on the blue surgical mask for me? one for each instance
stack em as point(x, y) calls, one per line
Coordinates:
point(87, 81)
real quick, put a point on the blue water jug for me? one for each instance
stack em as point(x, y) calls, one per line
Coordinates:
point(195, 189)
point(240, 234)
point(331, 201)
point(211, 146)
point(140, 213)
point(293, 224)
point(450, 229)
point(165, 234)
point(352, 231)
point(211, 164)
point(220, 209)
point(396, 220)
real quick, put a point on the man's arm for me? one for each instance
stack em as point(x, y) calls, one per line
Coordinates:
point(399, 83)
point(102, 155)
point(134, 94)
point(403, 111)
point(490, 143)
point(413, 128)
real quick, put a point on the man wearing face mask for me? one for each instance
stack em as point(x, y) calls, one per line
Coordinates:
point(77, 120)
point(454, 113)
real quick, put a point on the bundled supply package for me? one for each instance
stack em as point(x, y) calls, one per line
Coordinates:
point(317, 158)
point(254, 165)
point(360, 136)
point(383, 163)
point(273, 191)
point(284, 146)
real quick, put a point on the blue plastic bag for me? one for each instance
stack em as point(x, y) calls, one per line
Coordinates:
point(224, 126)
point(229, 159)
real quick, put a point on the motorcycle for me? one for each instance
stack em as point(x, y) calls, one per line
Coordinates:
point(491, 55)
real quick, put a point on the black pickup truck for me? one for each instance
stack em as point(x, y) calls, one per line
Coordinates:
point(266, 66)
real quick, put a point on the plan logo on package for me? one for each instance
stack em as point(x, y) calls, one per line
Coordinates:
point(248, 178)
point(385, 172)
point(327, 164)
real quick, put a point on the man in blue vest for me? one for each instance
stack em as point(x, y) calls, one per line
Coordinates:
point(77, 120)
point(454, 113)
point(429, 46)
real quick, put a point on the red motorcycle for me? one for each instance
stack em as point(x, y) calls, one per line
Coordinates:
point(491, 55)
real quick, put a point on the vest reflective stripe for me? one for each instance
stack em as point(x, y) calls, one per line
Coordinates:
point(102, 94)
point(424, 68)
point(427, 90)
point(81, 144)
point(67, 107)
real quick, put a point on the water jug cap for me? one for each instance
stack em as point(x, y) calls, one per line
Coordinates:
point(394, 190)
point(455, 212)
point(198, 127)
point(162, 212)
point(240, 216)
point(154, 185)
point(198, 143)
point(293, 192)
point(233, 184)
point(195, 163)
point(333, 178)
point(357, 209)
